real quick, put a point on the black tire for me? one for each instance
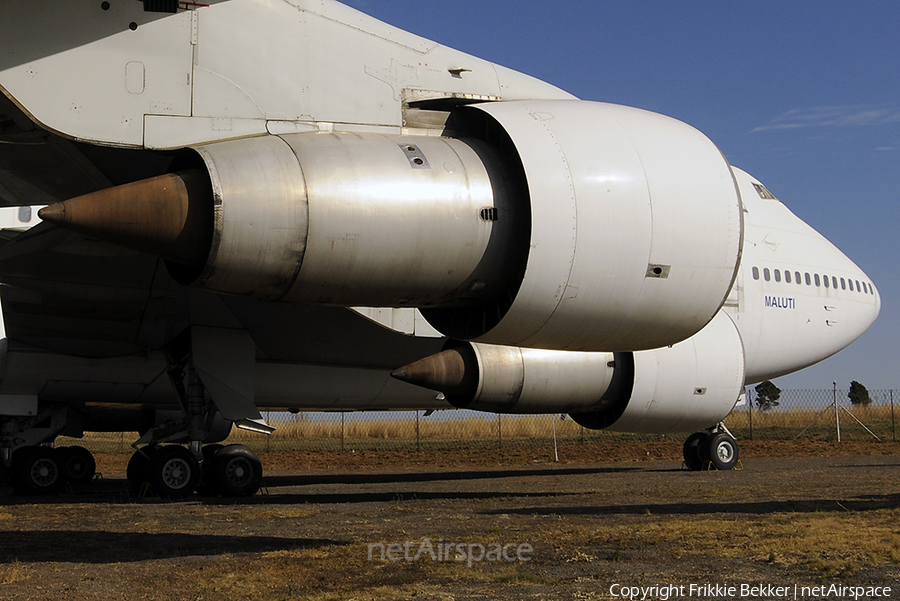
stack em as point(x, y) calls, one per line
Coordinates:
point(206, 487)
point(77, 463)
point(137, 468)
point(236, 471)
point(722, 451)
point(209, 451)
point(693, 450)
point(173, 472)
point(37, 471)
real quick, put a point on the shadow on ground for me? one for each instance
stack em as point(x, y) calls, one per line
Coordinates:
point(866, 503)
point(93, 546)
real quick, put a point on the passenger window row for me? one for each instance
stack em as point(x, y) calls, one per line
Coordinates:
point(789, 277)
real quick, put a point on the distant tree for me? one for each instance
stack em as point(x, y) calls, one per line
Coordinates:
point(858, 394)
point(767, 395)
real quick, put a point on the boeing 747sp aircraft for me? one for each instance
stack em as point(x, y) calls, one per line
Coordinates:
point(269, 205)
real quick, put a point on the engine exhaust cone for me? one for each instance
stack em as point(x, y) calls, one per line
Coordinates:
point(446, 372)
point(169, 216)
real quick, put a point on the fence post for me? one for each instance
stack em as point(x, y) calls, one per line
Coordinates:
point(343, 414)
point(418, 443)
point(499, 432)
point(893, 425)
point(750, 404)
point(837, 418)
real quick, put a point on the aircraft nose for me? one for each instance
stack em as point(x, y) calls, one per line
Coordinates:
point(877, 302)
point(872, 309)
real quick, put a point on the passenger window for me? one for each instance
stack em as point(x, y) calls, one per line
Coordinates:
point(834, 282)
point(755, 272)
point(858, 289)
point(797, 277)
point(787, 276)
point(825, 279)
point(777, 275)
point(808, 282)
point(843, 284)
point(818, 282)
point(766, 275)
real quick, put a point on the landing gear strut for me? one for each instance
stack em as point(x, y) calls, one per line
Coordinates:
point(716, 449)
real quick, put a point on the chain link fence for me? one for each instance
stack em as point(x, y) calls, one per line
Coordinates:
point(821, 415)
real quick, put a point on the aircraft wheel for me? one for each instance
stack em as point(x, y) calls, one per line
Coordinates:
point(207, 487)
point(173, 472)
point(722, 451)
point(236, 471)
point(37, 470)
point(209, 451)
point(693, 457)
point(77, 463)
point(137, 468)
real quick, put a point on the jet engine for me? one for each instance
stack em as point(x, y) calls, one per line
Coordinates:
point(689, 386)
point(544, 224)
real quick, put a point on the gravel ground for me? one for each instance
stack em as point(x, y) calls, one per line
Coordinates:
point(548, 531)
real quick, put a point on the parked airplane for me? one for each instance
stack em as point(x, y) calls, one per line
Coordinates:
point(280, 205)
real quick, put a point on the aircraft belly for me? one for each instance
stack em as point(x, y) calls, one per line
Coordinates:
point(326, 336)
point(323, 387)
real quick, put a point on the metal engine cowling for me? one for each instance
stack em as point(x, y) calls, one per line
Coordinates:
point(562, 225)
point(636, 229)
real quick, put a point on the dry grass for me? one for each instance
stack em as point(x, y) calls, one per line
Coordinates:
point(628, 525)
point(318, 431)
point(14, 572)
point(826, 545)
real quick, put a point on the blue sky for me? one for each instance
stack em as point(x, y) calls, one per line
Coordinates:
point(803, 95)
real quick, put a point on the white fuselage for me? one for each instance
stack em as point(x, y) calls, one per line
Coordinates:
point(787, 324)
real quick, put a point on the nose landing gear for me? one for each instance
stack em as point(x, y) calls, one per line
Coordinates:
point(716, 449)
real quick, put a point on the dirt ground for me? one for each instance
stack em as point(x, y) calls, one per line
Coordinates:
point(511, 455)
point(511, 528)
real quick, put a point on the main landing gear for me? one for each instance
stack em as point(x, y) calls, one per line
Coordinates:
point(174, 472)
point(40, 470)
point(715, 449)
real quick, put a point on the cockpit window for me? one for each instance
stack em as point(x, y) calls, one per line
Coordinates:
point(764, 192)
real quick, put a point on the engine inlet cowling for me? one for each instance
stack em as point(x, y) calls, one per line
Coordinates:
point(636, 229)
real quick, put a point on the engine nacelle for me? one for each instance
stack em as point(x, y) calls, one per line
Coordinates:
point(506, 379)
point(543, 224)
point(357, 219)
point(689, 386)
point(636, 229)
